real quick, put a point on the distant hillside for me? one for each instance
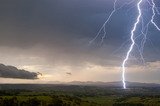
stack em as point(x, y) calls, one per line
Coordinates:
point(114, 84)
point(77, 84)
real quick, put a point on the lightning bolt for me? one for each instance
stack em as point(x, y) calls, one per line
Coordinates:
point(103, 28)
point(154, 13)
point(154, 10)
point(132, 45)
point(133, 37)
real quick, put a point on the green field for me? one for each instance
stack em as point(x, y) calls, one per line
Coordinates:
point(62, 95)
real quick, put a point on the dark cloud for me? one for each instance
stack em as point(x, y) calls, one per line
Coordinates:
point(13, 72)
point(63, 29)
point(68, 73)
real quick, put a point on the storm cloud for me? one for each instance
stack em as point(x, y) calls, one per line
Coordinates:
point(13, 72)
point(62, 30)
point(52, 36)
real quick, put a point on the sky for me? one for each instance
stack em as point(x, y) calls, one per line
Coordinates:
point(52, 37)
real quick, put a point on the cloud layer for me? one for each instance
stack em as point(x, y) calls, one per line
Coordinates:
point(13, 72)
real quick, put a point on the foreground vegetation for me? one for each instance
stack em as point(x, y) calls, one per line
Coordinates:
point(62, 95)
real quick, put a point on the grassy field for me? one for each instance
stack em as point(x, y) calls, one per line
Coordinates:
point(62, 100)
